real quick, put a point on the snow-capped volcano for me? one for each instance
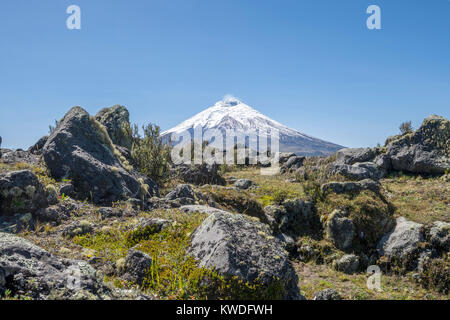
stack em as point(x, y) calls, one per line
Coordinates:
point(231, 113)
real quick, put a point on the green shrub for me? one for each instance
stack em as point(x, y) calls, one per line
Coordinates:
point(149, 153)
point(406, 127)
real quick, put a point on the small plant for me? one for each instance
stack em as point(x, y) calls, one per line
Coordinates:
point(406, 127)
point(279, 196)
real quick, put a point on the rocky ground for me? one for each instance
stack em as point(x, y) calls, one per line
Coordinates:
point(79, 221)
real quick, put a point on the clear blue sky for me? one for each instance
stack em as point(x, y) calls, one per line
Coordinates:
point(311, 65)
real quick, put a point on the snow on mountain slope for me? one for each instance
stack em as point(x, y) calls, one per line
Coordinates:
point(231, 113)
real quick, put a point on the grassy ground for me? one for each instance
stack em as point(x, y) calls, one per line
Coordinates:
point(420, 199)
point(174, 275)
point(315, 277)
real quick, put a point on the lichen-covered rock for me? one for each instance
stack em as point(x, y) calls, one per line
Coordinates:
point(340, 229)
point(283, 157)
point(137, 266)
point(21, 192)
point(358, 171)
point(425, 151)
point(401, 245)
point(117, 122)
point(292, 164)
point(81, 150)
point(235, 245)
point(294, 217)
point(78, 228)
point(327, 294)
point(27, 270)
point(348, 264)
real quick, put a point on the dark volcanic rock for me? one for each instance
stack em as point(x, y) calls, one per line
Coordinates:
point(37, 147)
point(81, 150)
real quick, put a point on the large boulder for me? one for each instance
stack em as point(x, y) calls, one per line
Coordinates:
point(81, 150)
point(237, 246)
point(200, 174)
point(425, 151)
point(294, 217)
point(21, 192)
point(117, 122)
point(401, 245)
point(27, 270)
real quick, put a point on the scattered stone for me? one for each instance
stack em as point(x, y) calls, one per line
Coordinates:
point(78, 228)
point(327, 294)
point(243, 184)
point(107, 212)
point(201, 209)
point(137, 266)
point(66, 189)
